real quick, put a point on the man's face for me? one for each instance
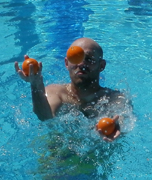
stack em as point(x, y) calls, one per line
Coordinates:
point(88, 71)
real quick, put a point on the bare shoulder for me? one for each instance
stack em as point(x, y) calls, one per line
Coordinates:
point(57, 91)
point(115, 95)
point(56, 88)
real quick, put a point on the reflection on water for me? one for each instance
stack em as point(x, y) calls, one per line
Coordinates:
point(140, 7)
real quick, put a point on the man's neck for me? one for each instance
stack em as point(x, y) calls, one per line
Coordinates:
point(86, 93)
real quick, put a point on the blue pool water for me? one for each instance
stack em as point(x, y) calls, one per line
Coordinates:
point(43, 29)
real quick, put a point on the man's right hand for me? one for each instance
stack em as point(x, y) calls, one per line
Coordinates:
point(32, 78)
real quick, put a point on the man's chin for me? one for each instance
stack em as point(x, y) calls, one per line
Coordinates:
point(82, 82)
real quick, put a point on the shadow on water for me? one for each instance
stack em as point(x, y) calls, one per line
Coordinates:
point(140, 7)
point(25, 37)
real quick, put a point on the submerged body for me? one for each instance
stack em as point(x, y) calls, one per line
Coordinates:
point(104, 97)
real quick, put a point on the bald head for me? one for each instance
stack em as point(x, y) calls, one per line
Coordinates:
point(87, 43)
point(87, 73)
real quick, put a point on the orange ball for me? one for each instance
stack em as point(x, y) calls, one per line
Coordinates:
point(75, 54)
point(107, 126)
point(26, 64)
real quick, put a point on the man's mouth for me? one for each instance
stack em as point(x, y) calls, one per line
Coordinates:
point(82, 71)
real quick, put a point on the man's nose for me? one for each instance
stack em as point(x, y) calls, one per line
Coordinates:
point(82, 63)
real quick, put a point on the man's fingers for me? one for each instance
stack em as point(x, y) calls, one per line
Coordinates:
point(26, 57)
point(22, 75)
point(16, 66)
point(115, 118)
point(107, 139)
point(100, 131)
point(31, 69)
point(117, 134)
point(40, 66)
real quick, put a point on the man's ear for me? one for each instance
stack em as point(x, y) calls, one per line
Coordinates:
point(66, 62)
point(103, 65)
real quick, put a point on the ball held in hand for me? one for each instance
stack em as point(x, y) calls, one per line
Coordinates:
point(26, 64)
point(106, 125)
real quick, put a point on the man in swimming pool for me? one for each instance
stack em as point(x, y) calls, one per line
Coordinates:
point(83, 91)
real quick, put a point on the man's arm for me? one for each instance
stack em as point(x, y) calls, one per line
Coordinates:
point(119, 105)
point(41, 106)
